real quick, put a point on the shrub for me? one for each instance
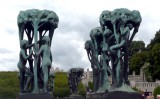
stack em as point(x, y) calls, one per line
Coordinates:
point(61, 88)
point(81, 89)
point(156, 91)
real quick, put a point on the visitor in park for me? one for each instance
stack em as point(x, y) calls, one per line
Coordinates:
point(150, 96)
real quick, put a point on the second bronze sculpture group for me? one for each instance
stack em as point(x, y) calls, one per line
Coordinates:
point(108, 49)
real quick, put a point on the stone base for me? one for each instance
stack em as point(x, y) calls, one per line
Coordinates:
point(115, 95)
point(75, 97)
point(124, 95)
point(96, 95)
point(35, 96)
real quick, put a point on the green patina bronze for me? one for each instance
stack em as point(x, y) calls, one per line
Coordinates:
point(110, 42)
point(35, 23)
point(74, 78)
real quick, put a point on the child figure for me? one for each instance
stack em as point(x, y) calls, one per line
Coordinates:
point(45, 51)
point(22, 66)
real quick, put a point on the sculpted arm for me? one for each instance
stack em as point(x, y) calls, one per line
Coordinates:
point(24, 55)
point(40, 51)
point(31, 45)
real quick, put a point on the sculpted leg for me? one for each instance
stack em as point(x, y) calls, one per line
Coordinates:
point(29, 78)
point(45, 75)
point(21, 81)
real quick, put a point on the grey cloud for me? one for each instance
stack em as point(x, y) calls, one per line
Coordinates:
point(81, 24)
point(67, 54)
point(7, 60)
point(11, 31)
point(4, 51)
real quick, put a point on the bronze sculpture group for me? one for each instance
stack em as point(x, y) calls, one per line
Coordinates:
point(108, 49)
point(34, 24)
point(74, 78)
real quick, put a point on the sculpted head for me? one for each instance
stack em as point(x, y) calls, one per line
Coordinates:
point(23, 43)
point(88, 45)
point(105, 16)
point(46, 40)
point(95, 32)
point(130, 26)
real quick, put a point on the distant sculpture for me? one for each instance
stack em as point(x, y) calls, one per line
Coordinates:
point(116, 26)
point(74, 77)
point(34, 22)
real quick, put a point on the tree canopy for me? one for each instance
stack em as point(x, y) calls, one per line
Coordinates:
point(140, 55)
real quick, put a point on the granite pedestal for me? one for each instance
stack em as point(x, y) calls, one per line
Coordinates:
point(35, 96)
point(75, 97)
point(114, 95)
point(96, 95)
point(124, 95)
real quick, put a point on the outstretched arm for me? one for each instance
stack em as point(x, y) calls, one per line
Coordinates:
point(29, 46)
point(40, 50)
point(24, 55)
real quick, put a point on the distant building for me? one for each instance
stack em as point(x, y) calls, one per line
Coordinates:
point(137, 81)
point(56, 70)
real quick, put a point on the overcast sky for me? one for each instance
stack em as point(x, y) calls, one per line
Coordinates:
point(76, 19)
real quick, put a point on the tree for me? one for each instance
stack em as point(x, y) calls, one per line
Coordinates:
point(136, 46)
point(134, 62)
point(156, 91)
point(155, 54)
point(138, 60)
point(81, 89)
point(61, 88)
point(90, 85)
point(155, 40)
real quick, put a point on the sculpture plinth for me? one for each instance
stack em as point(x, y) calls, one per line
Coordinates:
point(35, 96)
point(96, 95)
point(124, 95)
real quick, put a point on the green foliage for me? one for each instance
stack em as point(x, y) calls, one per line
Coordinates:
point(155, 40)
point(90, 85)
point(156, 91)
point(138, 60)
point(61, 88)
point(9, 84)
point(148, 70)
point(136, 46)
point(156, 53)
point(139, 55)
point(154, 69)
point(81, 89)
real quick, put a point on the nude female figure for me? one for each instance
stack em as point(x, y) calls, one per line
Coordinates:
point(45, 51)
